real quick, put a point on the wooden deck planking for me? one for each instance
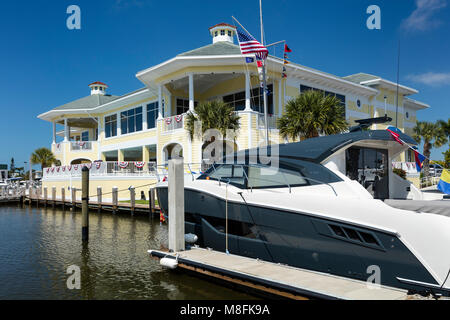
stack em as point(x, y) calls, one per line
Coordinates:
point(281, 276)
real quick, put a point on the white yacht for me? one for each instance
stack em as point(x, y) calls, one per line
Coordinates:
point(322, 210)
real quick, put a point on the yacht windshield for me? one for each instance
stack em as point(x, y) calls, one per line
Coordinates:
point(257, 176)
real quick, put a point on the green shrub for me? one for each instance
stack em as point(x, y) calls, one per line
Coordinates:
point(400, 172)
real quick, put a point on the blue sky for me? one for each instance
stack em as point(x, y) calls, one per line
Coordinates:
point(44, 65)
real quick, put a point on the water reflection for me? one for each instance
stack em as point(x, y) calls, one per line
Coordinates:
point(38, 245)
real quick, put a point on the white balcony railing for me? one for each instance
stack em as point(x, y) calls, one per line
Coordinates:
point(173, 123)
point(104, 169)
point(58, 148)
point(81, 146)
point(271, 121)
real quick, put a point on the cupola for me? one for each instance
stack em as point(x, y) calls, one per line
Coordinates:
point(98, 88)
point(223, 32)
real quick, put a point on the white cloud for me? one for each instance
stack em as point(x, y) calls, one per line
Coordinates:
point(431, 78)
point(422, 18)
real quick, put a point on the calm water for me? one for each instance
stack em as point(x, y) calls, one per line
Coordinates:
point(38, 245)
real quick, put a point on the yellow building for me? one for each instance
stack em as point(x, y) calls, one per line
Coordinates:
point(147, 127)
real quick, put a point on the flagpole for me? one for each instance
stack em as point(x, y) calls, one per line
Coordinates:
point(264, 76)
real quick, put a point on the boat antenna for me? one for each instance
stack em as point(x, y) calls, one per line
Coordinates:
point(264, 76)
point(398, 79)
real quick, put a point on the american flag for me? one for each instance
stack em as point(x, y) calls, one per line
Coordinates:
point(249, 45)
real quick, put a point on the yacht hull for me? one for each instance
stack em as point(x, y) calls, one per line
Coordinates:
point(301, 240)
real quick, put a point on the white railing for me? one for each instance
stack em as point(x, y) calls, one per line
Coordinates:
point(173, 123)
point(104, 169)
point(271, 121)
point(58, 147)
point(81, 146)
point(429, 181)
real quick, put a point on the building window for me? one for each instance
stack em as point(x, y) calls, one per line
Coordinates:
point(229, 33)
point(152, 114)
point(237, 100)
point(216, 34)
point(222, 32)
point(410, 156)
point(131, 120)
point(327, 93)
point(85, 136)
point(111, 126)
point(407, 115)
point(183, 106)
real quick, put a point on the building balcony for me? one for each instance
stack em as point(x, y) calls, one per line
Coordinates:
point(271, 121)
point(173, 123)
point(82, 146)
point(107, 168)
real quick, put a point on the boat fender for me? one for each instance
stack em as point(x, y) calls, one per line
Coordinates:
point(169, 263)
point(190, 238)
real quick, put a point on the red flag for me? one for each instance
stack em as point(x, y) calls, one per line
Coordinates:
point(286, 48)
point(396, 136)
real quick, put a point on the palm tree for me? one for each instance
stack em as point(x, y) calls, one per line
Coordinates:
point(310, 114)
point(213, 115)
point(44, 157)
point(445, 127)
point(433, 135)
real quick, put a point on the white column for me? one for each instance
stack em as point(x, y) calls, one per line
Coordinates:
point(169, 104)
point(54, 132)
point(100, 127)
point(66, 131)
point(160, 110)
point(144, 118)
point(248, 106)
point(191, 92)
point(119, 124)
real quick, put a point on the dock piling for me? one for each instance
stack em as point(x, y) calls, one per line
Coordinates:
point(176, 205)
point(63, 197)
point(115, 199)
point(85, 204)
point(45, 196)
point(132, 200)
point(30, 195)
point(151, 201)
point(53, 197)
point(74, 198)
point(99, 199)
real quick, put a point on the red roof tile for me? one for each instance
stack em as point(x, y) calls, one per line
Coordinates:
point(98, 82)
point(223, 25)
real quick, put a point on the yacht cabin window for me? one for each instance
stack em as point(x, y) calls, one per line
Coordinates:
point(257, 176)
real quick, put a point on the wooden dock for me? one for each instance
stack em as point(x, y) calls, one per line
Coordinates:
point(275, 279)
point(95, 205)
point(132, 207)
